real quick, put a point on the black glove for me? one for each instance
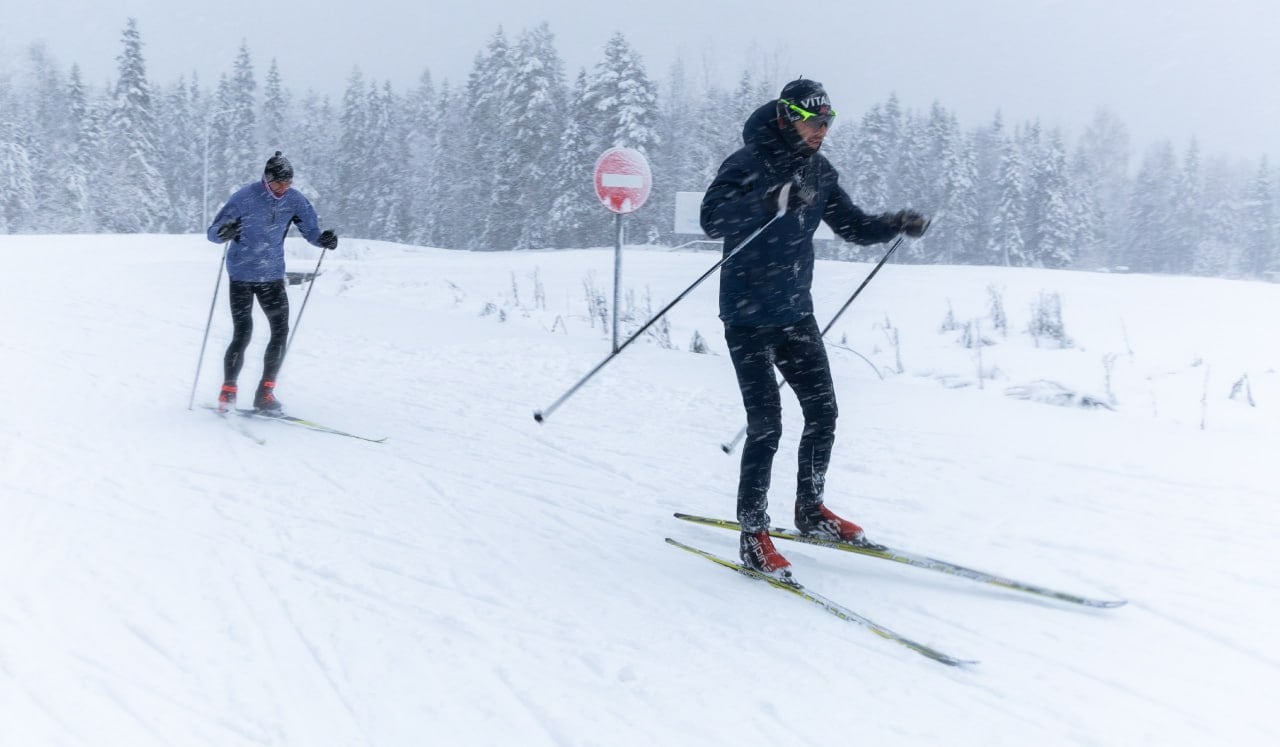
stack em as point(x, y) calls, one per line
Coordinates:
point(328, 240)
point(909, 222)
point(229, 230)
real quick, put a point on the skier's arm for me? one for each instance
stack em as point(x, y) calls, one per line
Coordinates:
point(737, 200)
point(308, 224)
point(850, 223)
point(229, 212)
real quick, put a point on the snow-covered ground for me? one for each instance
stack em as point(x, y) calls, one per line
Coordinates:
point(480, 579)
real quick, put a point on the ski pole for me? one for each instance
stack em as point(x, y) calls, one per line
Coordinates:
point(783, 196)
point(729, 447)
point(207, 324)
point(315, 274)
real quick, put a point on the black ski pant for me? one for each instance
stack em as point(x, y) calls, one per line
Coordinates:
point(798, 352)
point(275, 304)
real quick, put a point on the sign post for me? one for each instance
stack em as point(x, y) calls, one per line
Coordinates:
point(623, 181)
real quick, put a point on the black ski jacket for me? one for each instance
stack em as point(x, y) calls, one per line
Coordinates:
point(768, 283)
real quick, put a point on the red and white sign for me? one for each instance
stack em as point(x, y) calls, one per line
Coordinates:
point(623, 179)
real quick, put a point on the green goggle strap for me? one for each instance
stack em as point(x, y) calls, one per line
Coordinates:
point(805, 114)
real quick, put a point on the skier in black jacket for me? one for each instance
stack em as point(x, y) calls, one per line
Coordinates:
point(767, 306)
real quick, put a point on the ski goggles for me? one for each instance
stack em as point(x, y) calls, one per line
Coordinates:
point(813, 118)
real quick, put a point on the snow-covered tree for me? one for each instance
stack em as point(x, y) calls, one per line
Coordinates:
point(486, 192)
point(959, 212)
point(576, 216)
point(987, 144)
point(1217, 252)
point(1006, 243)
point(1103, 154)
point(314, 133)
point(131, 195)
point(449, 192)
point(1258, 228)
point(534, 122)
point(234, 156)
point(1188, 223)
point(183, 158)
point(275, 131)
point(355, 172)
point(85, 137)
point(1151, 211)
point(17, 180)
point(913, 176)
point(385, 201)
point(873, 155)
point(1054, 230)
point(423, 120)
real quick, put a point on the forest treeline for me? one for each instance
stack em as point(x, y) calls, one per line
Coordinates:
point(503, 160)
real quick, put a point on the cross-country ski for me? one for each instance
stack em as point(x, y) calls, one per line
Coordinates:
point(915, 560)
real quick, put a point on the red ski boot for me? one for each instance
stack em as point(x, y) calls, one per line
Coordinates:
point(758, 553)
point(818, 521)
point(227, 398)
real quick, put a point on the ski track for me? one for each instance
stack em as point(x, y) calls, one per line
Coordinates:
point(480, 578)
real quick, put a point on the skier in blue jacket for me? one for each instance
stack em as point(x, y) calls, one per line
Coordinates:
point(767, 306)
point(255, 221)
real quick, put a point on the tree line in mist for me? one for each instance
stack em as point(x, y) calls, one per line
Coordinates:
point(504, 159)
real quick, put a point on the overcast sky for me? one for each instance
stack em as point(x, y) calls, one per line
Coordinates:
point(1167, 68)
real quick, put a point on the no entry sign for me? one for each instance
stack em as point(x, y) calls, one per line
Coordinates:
point(623, 179)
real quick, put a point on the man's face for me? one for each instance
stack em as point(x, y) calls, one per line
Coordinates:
point(811, 133)
point(279, 188)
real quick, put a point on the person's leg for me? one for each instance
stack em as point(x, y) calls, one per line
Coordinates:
point(802, 358)
point(752, 352)
point(274, 300)
point(803, 361)
point(241, 297)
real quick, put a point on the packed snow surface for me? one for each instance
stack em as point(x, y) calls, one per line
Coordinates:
point(482, 579)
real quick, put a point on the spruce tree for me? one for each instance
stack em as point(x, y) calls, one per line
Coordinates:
point(1055, 230)
point(1006, 244)
point(1150, 214)
point(577, 218)
point(959, 218)
point(987, 145)
point(1217, 254)
point(1260, 230)
point(536, 116)
point(131, 196)
point(242, 155)
point(388, 164)
point(449, 192)
point(275, 131)
point(1188, 218)
point(422, 122)
point(82, 156)
point(488, 191)
point(17, 180)
point(351, 161)
point(44, 117)
point(183, 158)
point(314, 133)
point(1104, 154)
point(875, 144)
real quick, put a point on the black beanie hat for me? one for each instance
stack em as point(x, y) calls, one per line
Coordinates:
point(806, 94)
point(278, 169)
